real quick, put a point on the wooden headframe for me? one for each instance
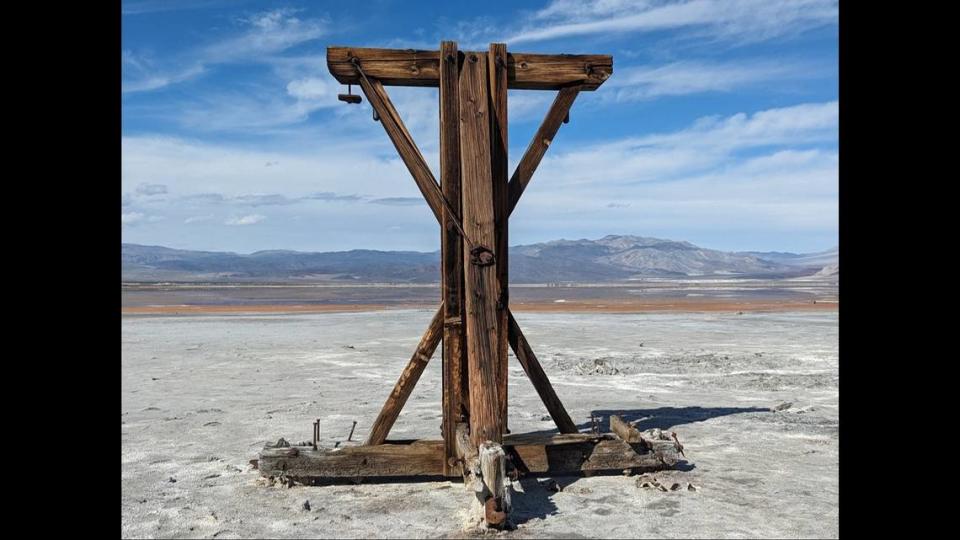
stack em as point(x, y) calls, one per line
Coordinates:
point(472, 202)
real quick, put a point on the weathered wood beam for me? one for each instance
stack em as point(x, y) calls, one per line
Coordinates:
point(467, 451)
point(540, 142)
point(480, 283)
point(534, 371)
point(383, 460)
point(603, 453)
point(407, 381)
point(409, 153)
point(525, 71)
point(624, 430)
point(530, 454)
point(497, 68)
point(493, 471)
point(455, 397)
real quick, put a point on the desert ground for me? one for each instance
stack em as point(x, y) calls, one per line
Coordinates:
point(751, 393)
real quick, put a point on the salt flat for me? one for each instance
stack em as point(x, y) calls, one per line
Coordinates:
point(201, 394)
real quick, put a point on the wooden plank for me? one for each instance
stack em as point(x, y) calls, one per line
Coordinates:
point(455, 397)
point(534, 371)
point(496, 65)
point(540, 142)
point(409, 153)
point(624, 430)
point(383, 460)
point(525, 71)
point(557, 455)
point(480, 282)
point(407, 381)
point(602, 455)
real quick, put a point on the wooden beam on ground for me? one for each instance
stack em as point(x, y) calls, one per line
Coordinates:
point(624, 430)
point(540, 142)
point(407, 381)
point(525, 71)
point(382, 460)
point(531, 455)
point(455, 397)
point(566, 455)
point(480, 283)
point(409, 153)
point(534, 371)
point(497, 68)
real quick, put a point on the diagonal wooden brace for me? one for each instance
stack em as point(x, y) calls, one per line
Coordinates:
point(407, 381)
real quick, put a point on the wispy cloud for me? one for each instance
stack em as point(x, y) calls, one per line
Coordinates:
point(261, 36)
point(694, 77)
point(398, 201)
point(245, 220)
point(151, 189)
point(741, 20)
point(198, 219)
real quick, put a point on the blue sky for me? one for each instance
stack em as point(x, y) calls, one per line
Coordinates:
point(719, 125)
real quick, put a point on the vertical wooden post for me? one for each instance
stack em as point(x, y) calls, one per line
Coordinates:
point(455, 398)
point(481, 290)
point(497, 66)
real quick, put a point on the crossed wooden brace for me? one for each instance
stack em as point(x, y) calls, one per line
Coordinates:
point(430, 188)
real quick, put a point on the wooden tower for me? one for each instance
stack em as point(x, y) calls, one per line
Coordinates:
point(472, 203)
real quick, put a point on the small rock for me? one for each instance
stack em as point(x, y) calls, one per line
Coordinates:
point(546, 418)
point(306, 505)
point(628, 472)
point(691, 487)
point(783, 406)
point(154, 378)
point(172, 480)
point(675, 486)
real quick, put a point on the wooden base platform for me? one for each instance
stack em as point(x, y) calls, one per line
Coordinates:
point(527, 455)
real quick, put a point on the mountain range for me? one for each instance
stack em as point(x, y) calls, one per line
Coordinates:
point(608, 259)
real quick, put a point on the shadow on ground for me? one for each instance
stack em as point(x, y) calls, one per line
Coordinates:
point(536, 501)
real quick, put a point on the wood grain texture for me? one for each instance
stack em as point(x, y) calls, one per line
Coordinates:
point(530, 455)
point(455, 397)
point(525, 71)
point(407, 381)
point(540, 142)
point(382, 460)
point(607, 454)
point(496, 67)
point(534, 371)
point(624, 430)
point(409, 153)
point(480, 283)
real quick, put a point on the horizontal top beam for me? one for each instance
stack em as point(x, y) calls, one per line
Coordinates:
point(525, 71)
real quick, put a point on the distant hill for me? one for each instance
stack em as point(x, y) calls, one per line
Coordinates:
point(807, 260)
point(611, 258)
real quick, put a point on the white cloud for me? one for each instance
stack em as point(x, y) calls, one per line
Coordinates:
point(769, 172)
point(692, 77)
point(264, 34)
point(151, 189)
point(198, 219)
point(742, 20)
point(245, 220)
point(268, 32)
point(130, 218)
